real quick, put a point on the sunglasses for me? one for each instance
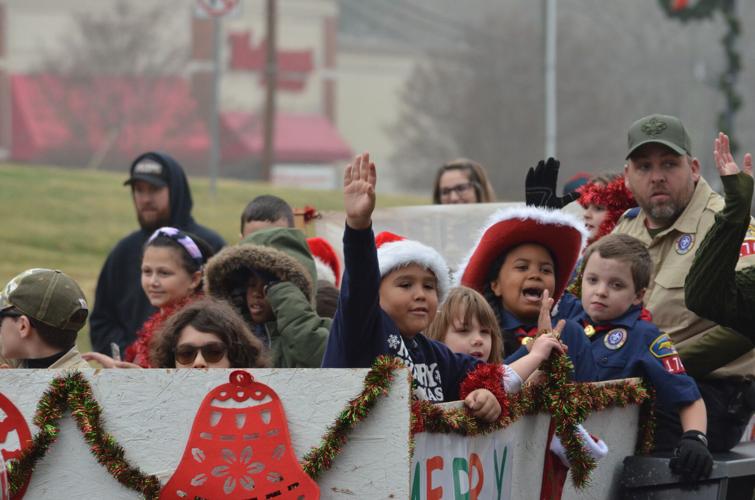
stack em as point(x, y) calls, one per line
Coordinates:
point(212, 352)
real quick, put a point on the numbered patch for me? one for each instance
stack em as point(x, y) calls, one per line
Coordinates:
point(663, 349)
point(684, 243)
point(615, 339)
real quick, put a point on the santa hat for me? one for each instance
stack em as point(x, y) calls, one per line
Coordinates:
point(614, 196)
point(326, 260)
point(394, 251)
point(563, 234)
point(595, 447)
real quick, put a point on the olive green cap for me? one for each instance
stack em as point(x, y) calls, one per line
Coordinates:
point(662, 129)
point(48, 296)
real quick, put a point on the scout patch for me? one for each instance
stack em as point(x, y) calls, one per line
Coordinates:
point(748, 245)
point(663, 349)
point(684, 243)
point(615, 339)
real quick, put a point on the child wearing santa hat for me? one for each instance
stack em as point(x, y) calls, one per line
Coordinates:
point(523, 253)
point(389, 296)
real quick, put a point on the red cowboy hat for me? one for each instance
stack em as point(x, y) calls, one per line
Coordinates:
point(562, 233)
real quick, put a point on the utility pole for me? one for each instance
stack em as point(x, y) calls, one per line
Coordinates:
point(271, 82)
point(551, 115)
point(215, 106)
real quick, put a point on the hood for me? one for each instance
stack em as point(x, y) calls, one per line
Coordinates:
point(229, 270)
point(178, 187)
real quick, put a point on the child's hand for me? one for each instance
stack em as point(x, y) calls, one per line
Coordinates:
point(483, 405)
point(544, 319)
point(546, 343)
point(106, 361)
point(359, 192)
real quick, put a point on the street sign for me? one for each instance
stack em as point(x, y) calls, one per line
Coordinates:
point(205, 9)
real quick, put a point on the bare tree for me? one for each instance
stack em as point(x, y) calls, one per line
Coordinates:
point(617, 61)
point(113, 76)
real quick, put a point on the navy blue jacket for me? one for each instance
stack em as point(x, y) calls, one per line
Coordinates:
point(361, 330)
point(120, 305)
point(631, 347)
point(572, 335)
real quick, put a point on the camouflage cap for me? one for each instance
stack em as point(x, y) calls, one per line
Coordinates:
point(662, 129)
point(48, 296)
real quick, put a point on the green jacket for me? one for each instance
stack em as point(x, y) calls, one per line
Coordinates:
point(298, 335)
point(713, 288)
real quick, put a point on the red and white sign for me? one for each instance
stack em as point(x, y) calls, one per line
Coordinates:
point(217, 8)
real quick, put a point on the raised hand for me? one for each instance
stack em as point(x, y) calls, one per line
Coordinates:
point(724, 160)
point(359, 181)
point(540, 186)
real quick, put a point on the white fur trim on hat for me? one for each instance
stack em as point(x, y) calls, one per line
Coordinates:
point(324, 271)
point(396, 254)
point(595, 447)
point(524, 212)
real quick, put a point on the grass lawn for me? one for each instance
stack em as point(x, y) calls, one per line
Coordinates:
point(69, 219)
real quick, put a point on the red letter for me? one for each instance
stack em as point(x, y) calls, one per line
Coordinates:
point(475, 464)
point(434, 463)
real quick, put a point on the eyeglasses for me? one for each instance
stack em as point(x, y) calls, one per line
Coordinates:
point(459, 189)
point(212, 352)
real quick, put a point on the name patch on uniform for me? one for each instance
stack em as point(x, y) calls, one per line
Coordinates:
point(684, 243)
point(748, 245)
point(615, 339)
point(663, 349)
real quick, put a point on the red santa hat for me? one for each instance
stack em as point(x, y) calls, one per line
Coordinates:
point(562, 233)
point(394, 251)
point(326, 260)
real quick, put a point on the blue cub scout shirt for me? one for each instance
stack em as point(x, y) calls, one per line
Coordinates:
point(631, 347)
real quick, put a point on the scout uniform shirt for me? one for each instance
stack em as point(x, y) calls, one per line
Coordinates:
point(672, 251)
point(629, 346)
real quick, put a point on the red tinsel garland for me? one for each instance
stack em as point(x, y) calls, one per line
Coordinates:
point(615, 197)
point(490, 377)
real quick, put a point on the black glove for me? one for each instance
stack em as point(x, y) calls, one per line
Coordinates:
point(691, 459)
point(540, 186)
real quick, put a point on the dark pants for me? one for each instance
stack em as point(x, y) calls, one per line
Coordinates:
point(729, 403)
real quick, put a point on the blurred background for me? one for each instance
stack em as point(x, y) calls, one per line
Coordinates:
point(286, 91)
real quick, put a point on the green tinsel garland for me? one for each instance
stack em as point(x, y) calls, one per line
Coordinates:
point(72, 391)
point(376, 384)
point(568, 403)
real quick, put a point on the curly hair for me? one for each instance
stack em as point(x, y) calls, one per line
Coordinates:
point(209, 316)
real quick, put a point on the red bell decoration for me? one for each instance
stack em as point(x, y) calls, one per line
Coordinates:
point(14, 437)
point(239, 448)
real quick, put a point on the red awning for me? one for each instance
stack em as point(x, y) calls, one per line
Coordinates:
point(52, 116)
point(299, 138)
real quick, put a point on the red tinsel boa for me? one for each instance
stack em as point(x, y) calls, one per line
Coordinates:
point(138, 352)
point(487, 376)
point(615, 197)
